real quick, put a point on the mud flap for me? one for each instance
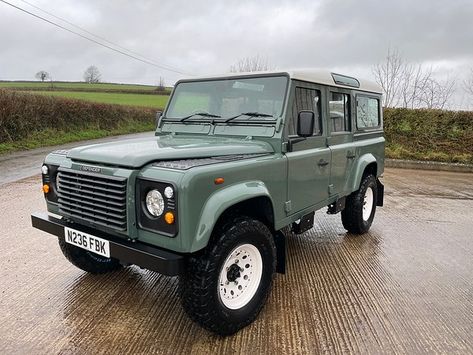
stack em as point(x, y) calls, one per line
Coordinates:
point(380, 199)
point(280, 241)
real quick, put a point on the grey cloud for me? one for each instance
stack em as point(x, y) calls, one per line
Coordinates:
point(207, 36)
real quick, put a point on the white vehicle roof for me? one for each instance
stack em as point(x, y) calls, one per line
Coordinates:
point(319, 76)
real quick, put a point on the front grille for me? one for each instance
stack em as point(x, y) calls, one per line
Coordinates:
point(98, 199)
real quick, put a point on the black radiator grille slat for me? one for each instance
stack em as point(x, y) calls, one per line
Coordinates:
point(79, 190)
point(97, 199)
point(91, 186)
point(92, 216)
point(99, 207)
point(94, 182)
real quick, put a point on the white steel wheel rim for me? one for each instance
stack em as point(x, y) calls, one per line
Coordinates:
point(368, 203)
point(240, 276)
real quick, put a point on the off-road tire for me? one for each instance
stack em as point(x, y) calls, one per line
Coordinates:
point(199, 286)
point(352, 215)
point(88, 261)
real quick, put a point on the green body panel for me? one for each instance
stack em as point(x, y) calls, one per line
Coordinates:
point(295, 182)
point(307, 181)
point(135, 153)
point(244, 179)
point(218, 202)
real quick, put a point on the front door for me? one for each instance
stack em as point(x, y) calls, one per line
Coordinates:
point(309, 160)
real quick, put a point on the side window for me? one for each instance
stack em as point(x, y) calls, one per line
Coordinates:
point(339, 106)
point(306, 99)
point(367, 112)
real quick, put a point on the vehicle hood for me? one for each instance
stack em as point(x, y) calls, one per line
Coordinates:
point(135, 153)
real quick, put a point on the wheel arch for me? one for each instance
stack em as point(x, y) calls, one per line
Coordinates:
point(250, 198)
point(366, 164)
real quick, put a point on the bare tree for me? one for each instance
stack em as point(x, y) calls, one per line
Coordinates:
point(436, 94)
point(389, 76)
point(42, 75)
point(161, 85)
point(251, 64)
point(411, 85)
point(92, 75)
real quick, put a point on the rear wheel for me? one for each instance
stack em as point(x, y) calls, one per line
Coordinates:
point(88, 261)
point(226, 286)
point(360, 207)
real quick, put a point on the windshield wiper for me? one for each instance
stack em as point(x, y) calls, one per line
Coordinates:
point(250, 114)
point(204, 114)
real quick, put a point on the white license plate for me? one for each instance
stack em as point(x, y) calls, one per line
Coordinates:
point(86, 241)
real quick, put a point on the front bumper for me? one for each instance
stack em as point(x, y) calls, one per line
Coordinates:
point(143, 255)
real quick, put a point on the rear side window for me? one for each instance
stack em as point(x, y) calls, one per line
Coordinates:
point(339, 105)
point(306, 99)
point(367, 112)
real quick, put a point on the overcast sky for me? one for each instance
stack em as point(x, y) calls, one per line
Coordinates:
point(201, 37)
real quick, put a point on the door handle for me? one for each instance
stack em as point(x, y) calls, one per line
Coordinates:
point(322, 162)
point(351, 155)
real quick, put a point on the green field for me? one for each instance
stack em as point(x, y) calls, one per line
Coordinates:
point(74, 85)
point(151, 101)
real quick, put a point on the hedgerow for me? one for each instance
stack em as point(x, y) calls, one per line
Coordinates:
point(23, 114)
point(428, 134)
point(423, 134)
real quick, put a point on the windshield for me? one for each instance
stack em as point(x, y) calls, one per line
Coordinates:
point(228, 98)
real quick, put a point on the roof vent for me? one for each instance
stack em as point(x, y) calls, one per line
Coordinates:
point(345, 80)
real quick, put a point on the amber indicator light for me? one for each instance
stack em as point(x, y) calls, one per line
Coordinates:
point(45, 188)
point(219, 180)
point(169, 217)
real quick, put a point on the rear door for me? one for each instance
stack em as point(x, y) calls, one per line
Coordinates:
point(309, 160)
point(340, 139)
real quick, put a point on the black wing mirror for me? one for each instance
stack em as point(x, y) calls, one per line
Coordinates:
point(158, 117)
point(305, 123)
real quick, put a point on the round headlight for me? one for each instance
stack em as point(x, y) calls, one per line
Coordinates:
point(44, 169)
point(168, 192)
point(155, 203)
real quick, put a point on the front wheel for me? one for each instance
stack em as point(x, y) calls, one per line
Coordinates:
point(226, 286)
point(360, 207)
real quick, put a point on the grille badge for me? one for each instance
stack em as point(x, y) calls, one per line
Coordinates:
point(92, 169)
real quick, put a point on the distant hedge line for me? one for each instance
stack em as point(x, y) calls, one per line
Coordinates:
point(164, 92)
point(429, 134)
point(22, 114)
point(410, 134)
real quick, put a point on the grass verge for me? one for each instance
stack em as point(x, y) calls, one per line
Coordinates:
point(52, 137)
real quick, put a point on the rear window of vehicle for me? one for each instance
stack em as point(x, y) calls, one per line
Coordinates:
point(367, 112)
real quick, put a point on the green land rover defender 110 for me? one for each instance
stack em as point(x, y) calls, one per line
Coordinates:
point(237, 164)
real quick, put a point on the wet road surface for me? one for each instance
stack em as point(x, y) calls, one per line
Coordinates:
point(406, 287)
point(23, 164)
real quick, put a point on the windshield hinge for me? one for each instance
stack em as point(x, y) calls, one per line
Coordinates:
point(279, 124)
point(284, 147)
